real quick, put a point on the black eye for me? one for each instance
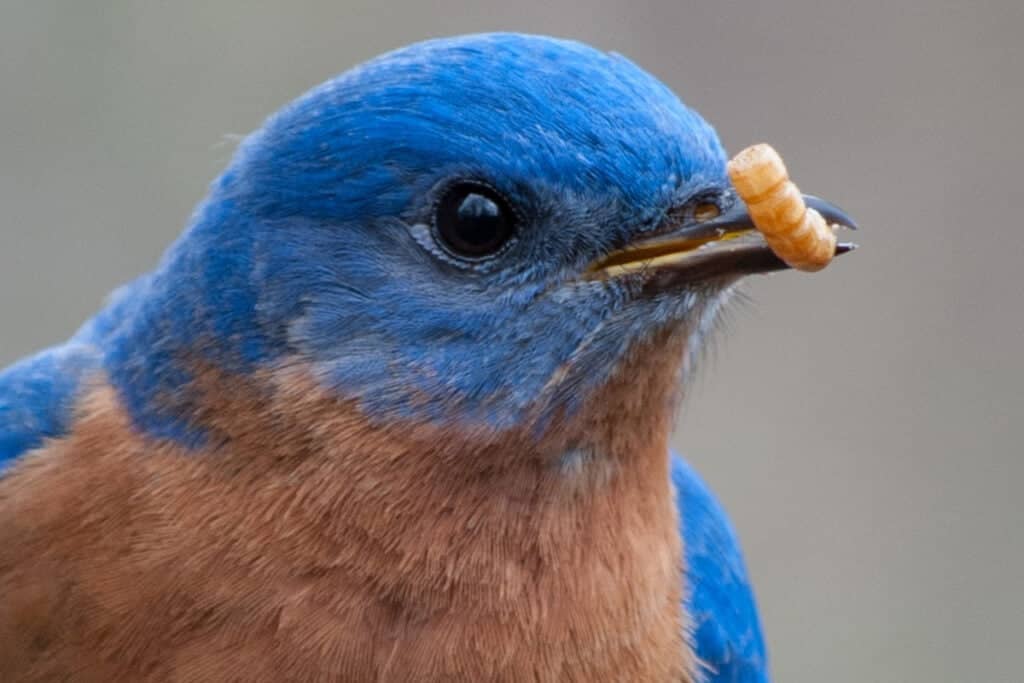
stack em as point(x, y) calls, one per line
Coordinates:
point(473, 220)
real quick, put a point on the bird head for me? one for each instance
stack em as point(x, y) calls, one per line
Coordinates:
point(479, 229)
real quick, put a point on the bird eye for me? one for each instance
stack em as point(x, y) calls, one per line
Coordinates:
point(473, 221)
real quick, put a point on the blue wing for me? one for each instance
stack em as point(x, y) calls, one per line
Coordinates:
point(721, 601)
point(37, 394)
point(37, 397)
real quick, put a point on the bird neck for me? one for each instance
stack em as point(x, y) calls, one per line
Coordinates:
point(198, 308)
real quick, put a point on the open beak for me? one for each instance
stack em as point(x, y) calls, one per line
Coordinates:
point(726, 245)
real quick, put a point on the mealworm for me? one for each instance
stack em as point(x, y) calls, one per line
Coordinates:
point(798, 235)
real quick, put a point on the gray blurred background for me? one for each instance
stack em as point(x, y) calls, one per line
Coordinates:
point(863, 426)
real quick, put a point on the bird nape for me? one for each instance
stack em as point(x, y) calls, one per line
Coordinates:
point(396, 405)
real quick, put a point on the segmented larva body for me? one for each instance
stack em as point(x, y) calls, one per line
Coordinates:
point(798, 235)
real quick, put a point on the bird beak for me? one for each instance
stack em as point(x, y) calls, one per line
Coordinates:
point(727, 245)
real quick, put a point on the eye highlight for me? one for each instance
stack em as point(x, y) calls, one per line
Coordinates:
point(473, 221)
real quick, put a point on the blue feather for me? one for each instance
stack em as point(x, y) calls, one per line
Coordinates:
point(721, 605)
point(37, 397)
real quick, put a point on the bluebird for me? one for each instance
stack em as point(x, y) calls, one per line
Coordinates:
point(396, 405)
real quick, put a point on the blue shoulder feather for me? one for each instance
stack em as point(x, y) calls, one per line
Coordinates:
point(727, 630)
point(37, 396)
point(38, 393)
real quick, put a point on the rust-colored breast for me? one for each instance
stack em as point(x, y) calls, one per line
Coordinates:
point(309, 545)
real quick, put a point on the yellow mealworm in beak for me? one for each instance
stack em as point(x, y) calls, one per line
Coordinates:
point(797, 234)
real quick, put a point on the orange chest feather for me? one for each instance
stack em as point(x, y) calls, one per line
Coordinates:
point(310, 545)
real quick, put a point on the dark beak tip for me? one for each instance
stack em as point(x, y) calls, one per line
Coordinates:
point(845, 247)
point(830, 212)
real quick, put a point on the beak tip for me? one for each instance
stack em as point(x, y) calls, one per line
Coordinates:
point(845, 247)
point(832, 213)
